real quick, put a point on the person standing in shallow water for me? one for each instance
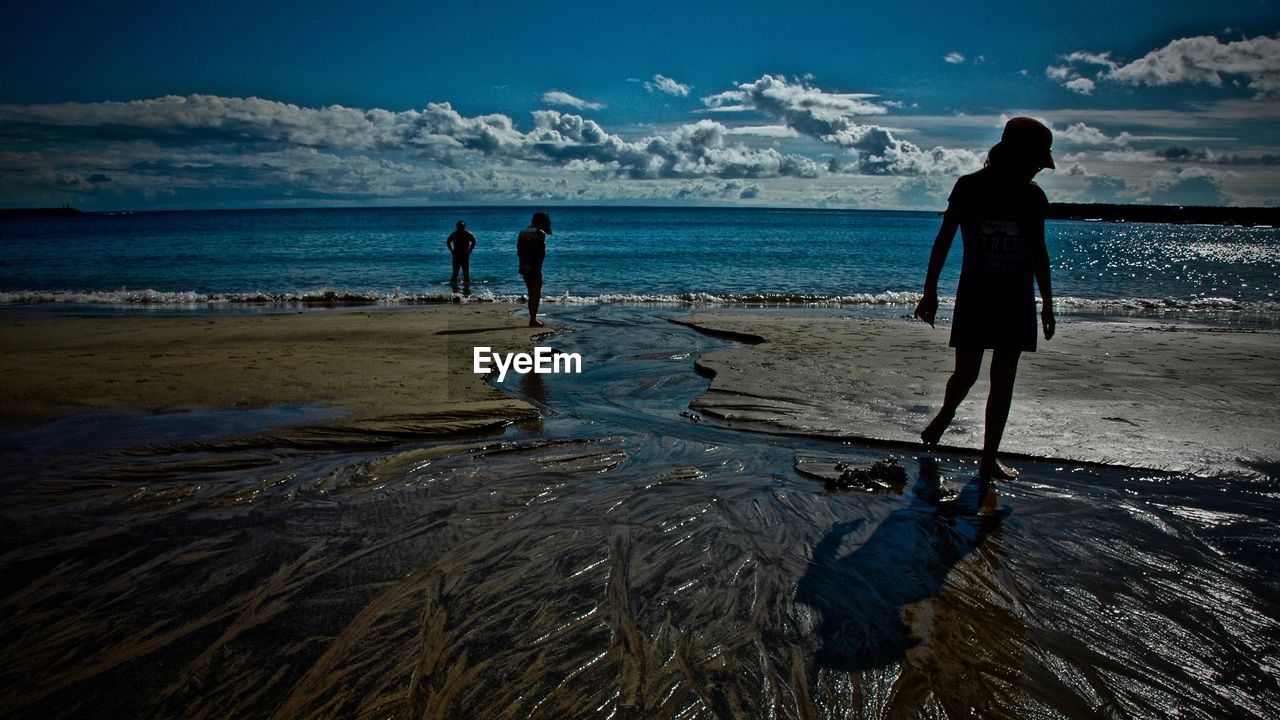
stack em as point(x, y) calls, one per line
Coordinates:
point(460, 243)
point(531, 248)
point(1000, 214)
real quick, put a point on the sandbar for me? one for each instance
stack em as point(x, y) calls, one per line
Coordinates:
point(1154, 395)
point(397, 371)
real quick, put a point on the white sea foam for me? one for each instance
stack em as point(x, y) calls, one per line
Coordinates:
point(161, 299)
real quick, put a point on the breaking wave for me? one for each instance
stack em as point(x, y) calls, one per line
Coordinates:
point(325, 297)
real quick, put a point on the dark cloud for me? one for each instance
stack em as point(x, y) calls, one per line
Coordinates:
point(1107, 189)
point(1232, 159)
point(922, 192)
point(1183, 186)
point(1182, 154)
point(1186, 154)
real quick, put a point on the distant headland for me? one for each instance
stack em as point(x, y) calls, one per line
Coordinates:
point(1183, 214)
point(64, 211)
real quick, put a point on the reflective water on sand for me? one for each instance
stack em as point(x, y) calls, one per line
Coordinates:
point(623, 559)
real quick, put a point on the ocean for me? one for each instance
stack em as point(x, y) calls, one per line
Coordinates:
point(212, 260)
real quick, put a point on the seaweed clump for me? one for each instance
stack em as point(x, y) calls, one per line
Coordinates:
point(881, 475)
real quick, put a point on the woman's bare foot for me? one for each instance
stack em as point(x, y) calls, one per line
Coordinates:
point(537, 323)
point(996, 470)
point(933, 432)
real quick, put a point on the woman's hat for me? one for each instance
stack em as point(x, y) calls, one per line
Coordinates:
point(1029, 138)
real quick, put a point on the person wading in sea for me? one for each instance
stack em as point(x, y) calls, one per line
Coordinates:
point(1000, 214)
point(531, 248)
point(460, 243)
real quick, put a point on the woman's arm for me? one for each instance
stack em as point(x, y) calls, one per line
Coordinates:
point(1041, 268)
point(927, 308)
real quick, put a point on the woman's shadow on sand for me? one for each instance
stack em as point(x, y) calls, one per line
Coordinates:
point(861, 596)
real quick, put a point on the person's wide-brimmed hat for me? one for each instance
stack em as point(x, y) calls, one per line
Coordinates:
point(542, 221)
point(1028, 138)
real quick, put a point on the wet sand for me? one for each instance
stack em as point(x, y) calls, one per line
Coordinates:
point(399, 372)
point(1135, 394)
point(621, 559)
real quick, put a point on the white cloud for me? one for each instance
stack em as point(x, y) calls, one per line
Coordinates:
point(803, 103)
point(1122, 155)
point(1082, 85)
point(211, 138)
point(832, 118)
point(1205, 59)
point(183, 150)
point(695, 150)
point(556, 97)
point(1059, 73)
point(663, 84)
point(880, 153)
point(954, 58)
point(1082, 134)
point(1202, 59)
point(1089, 58)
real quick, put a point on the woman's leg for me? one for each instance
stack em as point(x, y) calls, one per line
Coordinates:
point(968, 363)
point(534, 285)
point(1004, 370)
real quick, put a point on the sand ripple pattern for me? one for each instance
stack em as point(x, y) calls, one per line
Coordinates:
point(566, 579)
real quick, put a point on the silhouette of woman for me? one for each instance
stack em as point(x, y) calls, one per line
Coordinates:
point(1000, 213)
point(531, 247)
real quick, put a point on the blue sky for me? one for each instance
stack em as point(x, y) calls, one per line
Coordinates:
point(845, 104)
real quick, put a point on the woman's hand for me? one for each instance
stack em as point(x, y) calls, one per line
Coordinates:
point(927, 308)
point(1048, 321)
